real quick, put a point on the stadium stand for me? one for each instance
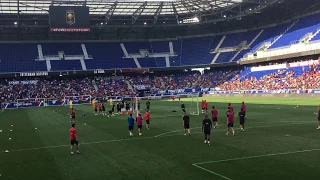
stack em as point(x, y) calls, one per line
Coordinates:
point(184, 52)
point(305, 77)
point(305, 25)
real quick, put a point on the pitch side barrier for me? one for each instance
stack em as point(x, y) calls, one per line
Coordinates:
point(43, 102)
point(310, 93)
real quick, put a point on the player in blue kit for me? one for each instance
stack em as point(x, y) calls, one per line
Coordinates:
point(130, 124)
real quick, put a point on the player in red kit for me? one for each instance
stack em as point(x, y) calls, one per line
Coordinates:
point(172, 97)
point(139, 124)
point(73, 139)
point(206, 106)
point(147, 119)
point(73, 116)
point(100, 108)
point(95, 109)
point(230, 108)
point(214, 115)
point(202, 106)
point(244, 108)
point(318, 116)
point(230, 121)
point(179, 98)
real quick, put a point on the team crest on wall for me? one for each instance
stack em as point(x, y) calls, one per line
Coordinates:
point(70, 17)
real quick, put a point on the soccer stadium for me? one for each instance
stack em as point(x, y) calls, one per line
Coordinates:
point(159, 89)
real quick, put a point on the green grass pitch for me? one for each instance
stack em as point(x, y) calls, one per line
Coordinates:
point(281, 142)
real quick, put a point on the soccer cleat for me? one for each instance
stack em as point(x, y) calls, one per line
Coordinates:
point(227, 134)
point(209, 143)
point(189, 134)
point(140, 134)
point(185, 134)
point(318, 128)
point(205, 141)
point(72, 153)
point(78, 152)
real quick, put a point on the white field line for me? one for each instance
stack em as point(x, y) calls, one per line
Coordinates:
point(236, 128)
point(258, 156)
point(224, 177)
point(248, 157)
point(130, 139)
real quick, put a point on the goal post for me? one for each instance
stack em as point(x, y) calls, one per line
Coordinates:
point(194, 105)
point(82, 99)
point(191, 102)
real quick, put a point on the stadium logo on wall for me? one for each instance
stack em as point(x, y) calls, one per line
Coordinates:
point(70, 17)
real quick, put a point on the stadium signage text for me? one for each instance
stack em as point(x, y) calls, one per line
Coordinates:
point(34, 74)
point(99, 71)
point(141, 87)
point(23, 82)
point(70, 29)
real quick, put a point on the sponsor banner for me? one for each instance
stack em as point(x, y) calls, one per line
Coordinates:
point(305, 95)
point(282, 91)
point(30, 74)
point(56, 102)
point(271, 67)
point(137, 70)
point(70, 29)
point(304, 63)
point(23, 105)
point(141, 87)
point(23, 82)
point(182, 91)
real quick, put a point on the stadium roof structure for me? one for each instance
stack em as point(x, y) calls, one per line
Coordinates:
point(29, 20)
point(182, 11)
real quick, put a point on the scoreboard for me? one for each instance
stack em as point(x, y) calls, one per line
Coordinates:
point(69, 19)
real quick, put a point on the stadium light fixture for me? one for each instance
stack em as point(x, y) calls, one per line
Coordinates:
point(145, 23)
point(15, 23)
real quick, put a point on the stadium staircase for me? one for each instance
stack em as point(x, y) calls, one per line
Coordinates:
point(315, 35)
point(216, 50)
point(129, 86)
point(95, 85)
point(40, 53)
point(162, 82)
point(277, 38)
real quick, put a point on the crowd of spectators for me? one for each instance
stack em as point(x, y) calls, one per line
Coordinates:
point(223, 79)
point(112, 86)
point(280, 80)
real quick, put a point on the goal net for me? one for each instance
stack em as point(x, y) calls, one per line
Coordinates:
point(167, 104)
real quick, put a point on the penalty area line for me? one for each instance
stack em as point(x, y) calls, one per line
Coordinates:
point(197, 165)
point(224, 177)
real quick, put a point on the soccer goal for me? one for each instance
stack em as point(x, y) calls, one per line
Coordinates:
point(167, 104)
point(84, 99)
